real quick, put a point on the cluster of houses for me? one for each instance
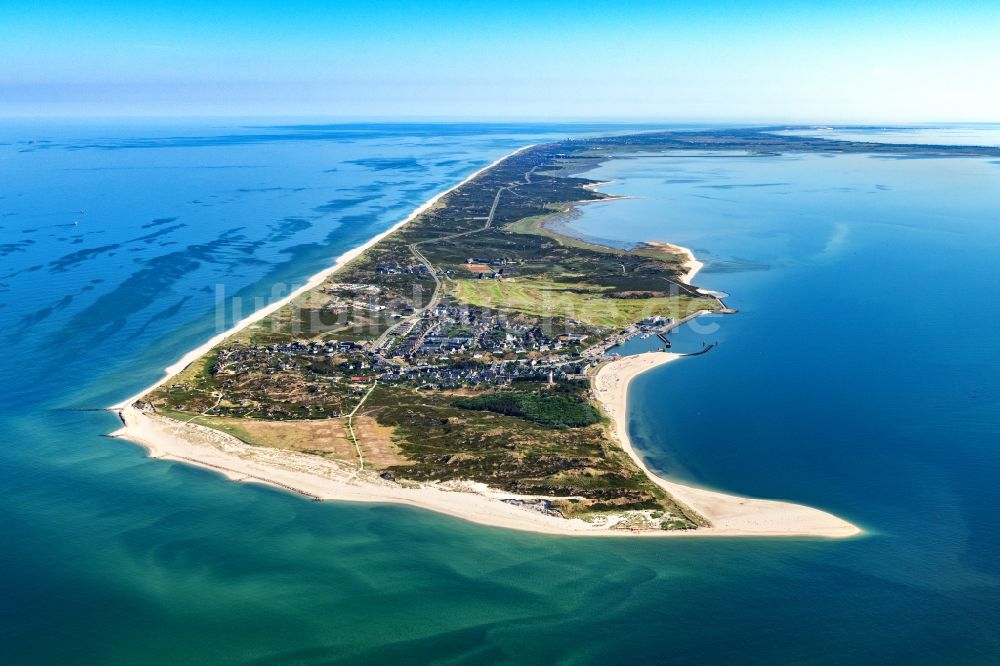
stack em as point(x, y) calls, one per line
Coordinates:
point(496, 261)
point(456, 332)
point(242, 359)
point(359, 296)
point(496, 373)
point(349, 364)
point(395, 268)
point(645, 328)
point(446, 347)
point(495, 268)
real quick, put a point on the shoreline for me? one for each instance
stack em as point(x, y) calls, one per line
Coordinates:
point(729, 514)
point(324, 479)
point(314, 281)
point(692, 264)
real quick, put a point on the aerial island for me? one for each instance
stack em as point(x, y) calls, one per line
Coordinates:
point(465, 362)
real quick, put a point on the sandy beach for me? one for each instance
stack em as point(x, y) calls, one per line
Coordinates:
point(323, 479)
point(311, 283)
point(691, 263)
point(729, 514)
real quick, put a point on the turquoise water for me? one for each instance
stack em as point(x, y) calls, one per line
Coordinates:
point(859, 376)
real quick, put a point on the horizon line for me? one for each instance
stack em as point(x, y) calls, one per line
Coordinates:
point(512, 120)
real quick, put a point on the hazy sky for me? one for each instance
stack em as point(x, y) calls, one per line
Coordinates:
point(833, 61)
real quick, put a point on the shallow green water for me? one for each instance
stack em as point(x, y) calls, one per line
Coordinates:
point(859, 376)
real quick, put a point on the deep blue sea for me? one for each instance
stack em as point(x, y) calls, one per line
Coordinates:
point(859, 376)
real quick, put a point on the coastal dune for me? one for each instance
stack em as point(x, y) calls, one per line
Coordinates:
point(322, 479)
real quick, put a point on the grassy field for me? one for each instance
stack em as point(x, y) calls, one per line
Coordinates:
point(589, 304)
point(326, 437)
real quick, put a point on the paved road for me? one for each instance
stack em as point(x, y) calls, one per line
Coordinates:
point(436, 296)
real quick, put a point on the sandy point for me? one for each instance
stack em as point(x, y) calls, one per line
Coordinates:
point(322, 479)
point(729, 514)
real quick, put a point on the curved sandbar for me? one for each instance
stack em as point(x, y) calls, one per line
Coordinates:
point(729, 514)
point(691, 263)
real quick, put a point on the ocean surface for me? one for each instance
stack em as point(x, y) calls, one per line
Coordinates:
point(859, 376)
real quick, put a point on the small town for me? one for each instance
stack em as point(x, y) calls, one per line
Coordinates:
point(446, 347)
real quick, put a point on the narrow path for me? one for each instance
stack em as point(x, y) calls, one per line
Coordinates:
point(205, 413)
point(436, 296)
point(350, 426)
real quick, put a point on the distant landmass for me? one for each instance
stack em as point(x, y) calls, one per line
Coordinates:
point(466, 361)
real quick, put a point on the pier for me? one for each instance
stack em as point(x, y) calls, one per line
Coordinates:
point(703, 350)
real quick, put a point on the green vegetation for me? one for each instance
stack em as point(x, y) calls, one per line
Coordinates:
point(460, 391)
point(442, 441)
point(589, 304)
point(550, 410)
point(541, 225)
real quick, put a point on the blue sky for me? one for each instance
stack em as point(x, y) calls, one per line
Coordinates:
point(761, 61)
